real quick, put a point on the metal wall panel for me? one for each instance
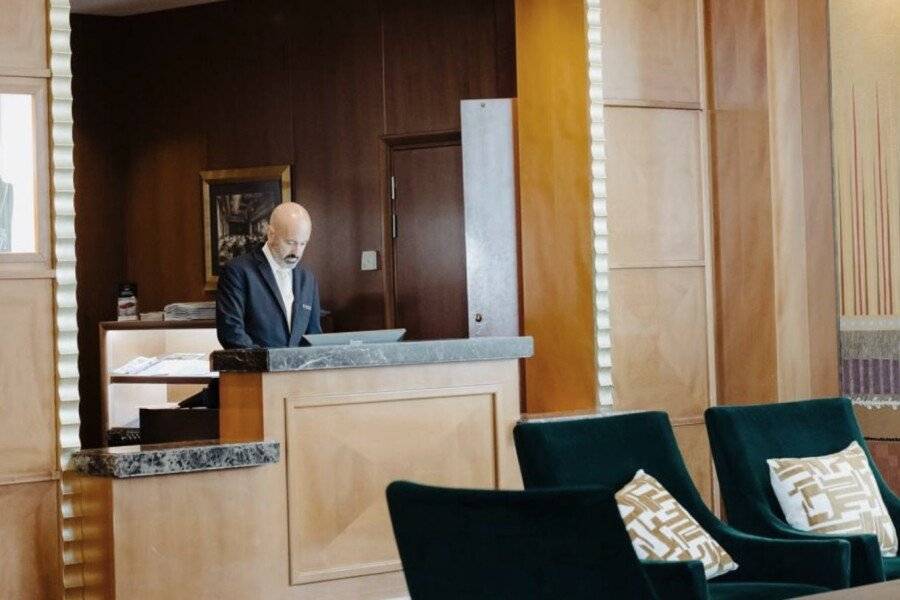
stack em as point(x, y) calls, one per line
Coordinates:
point(489, 189)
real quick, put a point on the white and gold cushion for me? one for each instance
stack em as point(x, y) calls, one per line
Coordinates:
point(661, 529)
point(833, 494)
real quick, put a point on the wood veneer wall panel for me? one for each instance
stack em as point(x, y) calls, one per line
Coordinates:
point(736, 54)
point(659, 340)
point(694, 445)
point(241, 540)
point(742, 225)
point(776, 306)
point(661, 279)
point(99, 212)
point(505, 43)
point(555, 209)
point(241, 407)
point(436, 54)
point(372, 438)
point(29, 555)
point(654, 185)
point(23, 38)
point(27, 410)
point(339, 108)
point(650, 51)
point(162, 253)
point(788, 200)
point(244, 88)
point(656, 204)
point(745, 298)
point(821, 285)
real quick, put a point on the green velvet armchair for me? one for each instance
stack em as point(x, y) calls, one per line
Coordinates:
point(495, 545)
point(744, 437)
point(608, 450)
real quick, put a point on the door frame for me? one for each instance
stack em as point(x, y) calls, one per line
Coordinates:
point(392, 143)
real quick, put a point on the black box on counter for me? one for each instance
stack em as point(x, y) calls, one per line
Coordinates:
point(165, 425)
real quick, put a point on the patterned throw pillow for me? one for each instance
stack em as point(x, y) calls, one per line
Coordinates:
point(834, 494)
point(661, 529)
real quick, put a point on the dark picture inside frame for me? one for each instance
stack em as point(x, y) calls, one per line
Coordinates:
point(237, 204)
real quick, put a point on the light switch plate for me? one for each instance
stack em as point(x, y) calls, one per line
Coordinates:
point(369, 260)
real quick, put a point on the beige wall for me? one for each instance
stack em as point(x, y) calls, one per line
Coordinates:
point(30, 559)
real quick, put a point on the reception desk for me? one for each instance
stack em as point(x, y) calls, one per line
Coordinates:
point(290, 503)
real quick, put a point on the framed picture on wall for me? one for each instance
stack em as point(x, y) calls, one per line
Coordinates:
point(237, 204)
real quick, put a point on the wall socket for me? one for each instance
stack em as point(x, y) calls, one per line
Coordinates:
point(369, 261)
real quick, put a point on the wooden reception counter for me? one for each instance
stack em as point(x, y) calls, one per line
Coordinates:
point(289, 503)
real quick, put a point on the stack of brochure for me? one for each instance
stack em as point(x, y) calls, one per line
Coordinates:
point(189, 311)
point(178, 364)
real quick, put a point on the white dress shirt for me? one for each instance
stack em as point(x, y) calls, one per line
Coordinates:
point(284, 277)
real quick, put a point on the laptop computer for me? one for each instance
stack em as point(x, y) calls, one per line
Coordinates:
point(353, 338)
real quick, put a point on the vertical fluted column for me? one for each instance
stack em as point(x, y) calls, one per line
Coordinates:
point(598, 204)
point(63, 200)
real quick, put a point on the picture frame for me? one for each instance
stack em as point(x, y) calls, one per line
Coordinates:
point(237, 204)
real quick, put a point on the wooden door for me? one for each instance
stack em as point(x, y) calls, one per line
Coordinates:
point(429, 242)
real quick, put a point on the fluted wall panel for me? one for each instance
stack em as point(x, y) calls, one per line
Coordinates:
point(598, 204)
point(63, 195)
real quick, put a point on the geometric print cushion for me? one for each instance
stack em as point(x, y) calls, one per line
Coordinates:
point(661, 529)
point(833, 494)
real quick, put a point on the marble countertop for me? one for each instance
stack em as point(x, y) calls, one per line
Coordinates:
point(167, 459)
point(307, 358)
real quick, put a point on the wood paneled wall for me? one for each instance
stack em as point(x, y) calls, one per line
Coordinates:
point(745, 293)
point(659, 232)
point(250, 83)
point(774, 215)
point(30, 557)
point(720, 216)
point(99, 167)
point(555, 204)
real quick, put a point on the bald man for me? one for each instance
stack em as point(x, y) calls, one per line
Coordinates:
point(265, 298)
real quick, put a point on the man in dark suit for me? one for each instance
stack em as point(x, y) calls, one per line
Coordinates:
point(265, 298)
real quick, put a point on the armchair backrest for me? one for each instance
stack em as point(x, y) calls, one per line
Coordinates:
point(487, 544)
point(607, 451)
point(742, 438)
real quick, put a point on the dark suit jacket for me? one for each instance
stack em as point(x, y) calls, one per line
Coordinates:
point(249, 308)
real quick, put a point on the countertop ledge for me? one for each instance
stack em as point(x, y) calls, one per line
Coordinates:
point(310, 358)
point(123, 462)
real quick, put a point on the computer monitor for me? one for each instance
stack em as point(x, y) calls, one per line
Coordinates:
point(352, 338)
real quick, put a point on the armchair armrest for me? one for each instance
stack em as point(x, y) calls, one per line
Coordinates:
point(892, 502)
point(866, 565)
point(821, 561)
point(677, 580)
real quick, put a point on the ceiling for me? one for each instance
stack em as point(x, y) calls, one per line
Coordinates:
point(121, 8)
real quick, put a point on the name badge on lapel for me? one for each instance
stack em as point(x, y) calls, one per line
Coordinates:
point(307, 307)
